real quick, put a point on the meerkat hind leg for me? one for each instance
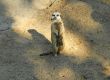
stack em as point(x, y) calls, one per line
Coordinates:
point(54, 44)
point(55, 49)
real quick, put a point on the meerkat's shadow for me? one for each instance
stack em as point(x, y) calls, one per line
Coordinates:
point(41, 42)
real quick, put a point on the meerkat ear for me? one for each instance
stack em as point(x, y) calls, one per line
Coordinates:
point(51, 18)
point(60, 15)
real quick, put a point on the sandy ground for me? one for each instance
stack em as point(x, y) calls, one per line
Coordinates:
point(25, 34)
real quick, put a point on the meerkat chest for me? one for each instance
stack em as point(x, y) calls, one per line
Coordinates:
point(58, 26)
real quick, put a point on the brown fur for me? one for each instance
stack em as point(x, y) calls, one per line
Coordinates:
point(57, 39)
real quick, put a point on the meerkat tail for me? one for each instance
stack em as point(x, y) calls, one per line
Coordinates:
point(45, 54)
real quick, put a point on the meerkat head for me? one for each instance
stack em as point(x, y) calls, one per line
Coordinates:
point(56, 17)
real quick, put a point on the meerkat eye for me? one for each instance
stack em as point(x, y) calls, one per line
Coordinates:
point(53, 15)
point(58, 15)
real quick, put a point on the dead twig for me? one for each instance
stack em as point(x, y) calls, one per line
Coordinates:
point(52, 3)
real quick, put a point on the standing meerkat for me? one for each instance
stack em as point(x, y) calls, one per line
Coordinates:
point(57, 33)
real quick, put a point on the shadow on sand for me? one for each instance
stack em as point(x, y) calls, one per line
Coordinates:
point(42, 42)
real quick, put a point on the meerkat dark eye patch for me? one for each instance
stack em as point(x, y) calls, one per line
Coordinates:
point(53, 15)
point(58, 15)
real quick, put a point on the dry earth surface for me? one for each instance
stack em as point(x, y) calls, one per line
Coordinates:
point(25, 34)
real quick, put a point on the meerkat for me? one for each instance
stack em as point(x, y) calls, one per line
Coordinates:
point(57, 33)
